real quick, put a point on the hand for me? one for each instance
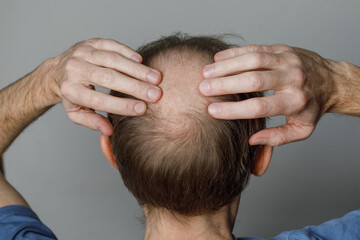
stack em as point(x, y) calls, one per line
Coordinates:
point(107, 64)
point(302, 82)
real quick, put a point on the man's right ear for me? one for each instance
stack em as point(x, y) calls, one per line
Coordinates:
point(106, 148)
point(263, 160)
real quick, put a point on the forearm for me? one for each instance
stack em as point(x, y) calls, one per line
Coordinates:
point(24, 101)
point(346, 98)
point(9, 195)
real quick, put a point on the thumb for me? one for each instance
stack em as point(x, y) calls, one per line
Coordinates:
point(277, 136)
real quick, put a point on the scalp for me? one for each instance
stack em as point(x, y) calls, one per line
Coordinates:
point(181, 69)
point(176, 156)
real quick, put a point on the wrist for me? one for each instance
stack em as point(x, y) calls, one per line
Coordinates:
point(334, 79)
point(346, 96)
point(44, 79)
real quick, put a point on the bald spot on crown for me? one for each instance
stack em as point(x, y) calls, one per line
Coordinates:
point(180, 85)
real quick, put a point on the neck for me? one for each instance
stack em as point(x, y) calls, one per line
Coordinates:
point(161, 225)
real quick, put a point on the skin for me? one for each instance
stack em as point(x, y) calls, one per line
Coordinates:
point(216, 226)
point(181, 78)
point(305, 87)
point(68, 79)
point(108, 64)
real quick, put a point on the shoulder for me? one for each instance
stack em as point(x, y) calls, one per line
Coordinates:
point(20, 222)
point(346, 227)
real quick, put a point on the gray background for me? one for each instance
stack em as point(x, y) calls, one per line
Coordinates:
point(60, 170)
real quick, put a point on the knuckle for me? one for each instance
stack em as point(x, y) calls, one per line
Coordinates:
point(73, 118)
point(71, 65)
point(106, 58)
point(299, 77)
point(96, 54)
point(254, 48)
point(134, 70)
point(82, 50)
point(141, 91)
point(217, 85)
point(256, 81)
point(104, 78)
point(301, 100)
point(103, 43)
point(137, 70)
point(92, 40)
point(110, 59)
point(109, 41)
point(95, 101)
point(296, 60)
point(234, 51)
point(66, 89)
point(280, 140)
point(257, 59)
point(126, 107)
point(134, 88)
point(261, 108)
point(284, 47)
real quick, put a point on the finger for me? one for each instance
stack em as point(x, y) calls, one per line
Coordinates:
point(120, 63)
point(281, 135)
point(114, 46)
point(80, 95)
point(233, 52)
point(92, 120)
point(245, 62)
point(246, 82)
point(277, 104)
point(110, 79)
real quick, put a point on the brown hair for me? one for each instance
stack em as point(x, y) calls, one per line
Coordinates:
point(193, 169)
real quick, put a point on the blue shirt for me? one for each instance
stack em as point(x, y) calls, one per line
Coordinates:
point(20, 223)
point(345, 228)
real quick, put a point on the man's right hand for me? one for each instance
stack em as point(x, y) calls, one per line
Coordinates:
point(107, 64)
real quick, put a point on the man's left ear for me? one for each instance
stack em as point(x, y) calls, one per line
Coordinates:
point(106, 148)
point(262, 161)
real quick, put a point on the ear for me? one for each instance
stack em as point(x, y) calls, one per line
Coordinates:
point(106, 148)
point(262, 160)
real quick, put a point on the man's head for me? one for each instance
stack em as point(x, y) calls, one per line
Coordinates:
point(176, 156)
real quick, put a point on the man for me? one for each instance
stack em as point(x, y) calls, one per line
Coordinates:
point(298, 96)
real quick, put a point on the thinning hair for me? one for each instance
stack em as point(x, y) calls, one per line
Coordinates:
point(186, 162)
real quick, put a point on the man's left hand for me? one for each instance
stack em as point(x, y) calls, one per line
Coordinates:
point(303, 84)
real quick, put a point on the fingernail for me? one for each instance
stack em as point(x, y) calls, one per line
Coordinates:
point(153, 77)
point(136, 58)
point(153, 93)
point(208, 71)
point(205, 87)
point(214, 109)
point(220, 56)
point(139, 107)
